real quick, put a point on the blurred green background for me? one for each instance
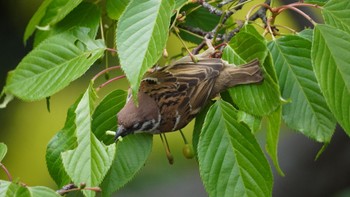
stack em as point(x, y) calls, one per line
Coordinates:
point(26, 128)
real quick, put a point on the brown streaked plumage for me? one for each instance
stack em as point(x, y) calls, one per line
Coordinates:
point(170, 97)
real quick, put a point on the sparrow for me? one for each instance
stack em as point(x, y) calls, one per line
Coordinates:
point(171, 96)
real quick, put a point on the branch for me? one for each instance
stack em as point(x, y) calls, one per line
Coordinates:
point(210, 8)
point(194, 30)
point(261, 13)
point(71, 187)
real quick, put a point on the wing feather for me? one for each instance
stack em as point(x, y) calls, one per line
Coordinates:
point(181, 90)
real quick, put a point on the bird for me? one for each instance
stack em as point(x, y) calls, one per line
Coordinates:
point(171, 96)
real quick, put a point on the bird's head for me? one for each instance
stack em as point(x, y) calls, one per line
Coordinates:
point(142, 118)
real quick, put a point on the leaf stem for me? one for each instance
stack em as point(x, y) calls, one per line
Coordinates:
point(105, 71)
point(8, 174)
point(109, 81)
point(299, 12)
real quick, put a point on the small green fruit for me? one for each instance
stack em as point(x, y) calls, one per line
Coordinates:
point(188, 152)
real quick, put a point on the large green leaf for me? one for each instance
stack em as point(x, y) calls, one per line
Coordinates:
point(115, 8)
point(49, 13)
point(85, 15)
point(36, 192)
point(308, 111)
point(90, 161)
point(336, 13)
point(7, 188)
point(63, 140)
point(330, 59)
point(231, 161)
point(51, 66)
point(141, 37)
point(256, 99)
point(130, 157)
point(105, 115)
point(272, 137)
point(131, 153)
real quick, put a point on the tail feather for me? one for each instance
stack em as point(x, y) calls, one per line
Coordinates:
point(231, 76)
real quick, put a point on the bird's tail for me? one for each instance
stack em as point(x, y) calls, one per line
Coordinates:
point(231, 76)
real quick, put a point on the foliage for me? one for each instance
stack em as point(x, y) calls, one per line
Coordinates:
point(306, 86)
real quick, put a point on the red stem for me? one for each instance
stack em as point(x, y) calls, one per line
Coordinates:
point(298, 11)
point(104, 71)
point(109, 81)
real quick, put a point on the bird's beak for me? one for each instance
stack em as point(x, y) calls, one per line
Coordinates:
point(121, 132)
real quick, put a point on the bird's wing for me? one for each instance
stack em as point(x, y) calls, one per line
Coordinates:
point(182, 89)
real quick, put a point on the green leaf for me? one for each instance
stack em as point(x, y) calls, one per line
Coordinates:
point(198, 125)
point(336, 13)
point(180, 3)
point(105, 115)
point(272, 136)
point(248, 46)
point(141, 37)
point(35, 20)
point(7, 188)
point(307, 34)
point(3, 151)
point(330, 60)
point(130, 157)
point(64, 140)
point(231, 56)
point(85, 15)
point(253, 122)
point(197, 17)
point(308, 112)
point(36, 191)
point(51, 66)
point(318, 2)
point(49, 13)
point(250, 29)
point(256, 99)
point(230, 159)
point(131, 153)
point(90, 161)
point(115, 8)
